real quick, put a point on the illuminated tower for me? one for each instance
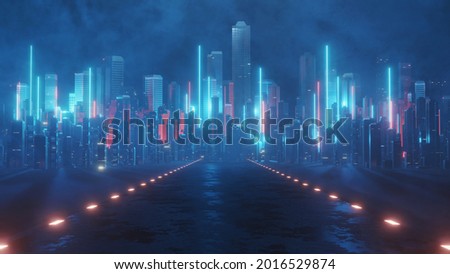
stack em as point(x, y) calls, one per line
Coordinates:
point(214, 69)
point(419, 89)
point(174, 100)
point(307, 82)
point(22, 101)
point(50, 92)
point(404, 81)
point(153, 91)
point(113, 77)
point(241, 65)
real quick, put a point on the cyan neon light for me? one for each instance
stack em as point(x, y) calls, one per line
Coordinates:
point(31, 80)
point(90, 93)
point(38, 98)
point(391, 120)
point(260, 99)
point(209, 98)
point(199, 79)
point(326, 76)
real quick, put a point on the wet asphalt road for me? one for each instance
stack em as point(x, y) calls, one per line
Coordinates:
point(204, 208)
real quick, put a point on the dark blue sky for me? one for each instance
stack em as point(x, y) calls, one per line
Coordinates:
point(160, 36)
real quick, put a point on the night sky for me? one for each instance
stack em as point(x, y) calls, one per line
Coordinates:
point(161, 36)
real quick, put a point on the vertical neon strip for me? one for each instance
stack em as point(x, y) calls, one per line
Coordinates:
point(391, 120)
point(90, 93)
point(209, 98)
point(189, 96)
point(338, 99)
point(38, 99)
point(326, 76)
point(94, 106)
point(318, 100)
point(353, 100)
point(314, 111)
point(18, 102)
point(31, 80)
point(398, 123)
point(372, 111)
point(260, 100)
point(186, 102)
point(244, 111)
point(199, 79)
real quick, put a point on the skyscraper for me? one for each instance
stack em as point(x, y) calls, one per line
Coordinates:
point(307, 77)
point(419, 89)
point(50, 92)
point(113, 77)
point(214, 69)
point(153, 91)
point(241, 65)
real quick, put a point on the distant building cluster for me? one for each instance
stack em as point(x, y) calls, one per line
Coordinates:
point(394, 124)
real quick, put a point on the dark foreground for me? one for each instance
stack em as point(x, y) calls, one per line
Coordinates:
point(222, 208)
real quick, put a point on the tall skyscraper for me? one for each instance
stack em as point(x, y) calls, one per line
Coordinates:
point(153, 91)
point(113, 77)
point(307, 77)
point(50, 92)
point(214, 69)
point(404, 81)
point(419, 89)
point(241, 66)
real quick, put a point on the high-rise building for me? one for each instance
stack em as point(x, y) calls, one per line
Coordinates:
point(241, 66)
point(419, 89)
point(153, 91)
point(50, 92)
point(113, 77)
point(404, 81)
point(307, 77)
point(22, 101)
point(214, 69)
point(174, 100)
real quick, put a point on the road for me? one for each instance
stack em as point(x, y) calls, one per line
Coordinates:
point(219, 208)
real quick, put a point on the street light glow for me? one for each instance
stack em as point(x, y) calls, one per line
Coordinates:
point(91, 207)
point(56, 222)
point(392, 222)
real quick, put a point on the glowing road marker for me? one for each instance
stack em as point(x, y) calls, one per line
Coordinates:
point(143, 184)
point(91, 207)
point(3, 246)
point(392, 222)
point(333, 196)
point(56, 222)
point(356, 206)
point(278, 172)
point(317, 189)
point(282, 174)
point(446, 246)
point(114, 197)
point(305, 184)
point(152, 180)
point(101, 168)
point(160, 177)
point(130, 189)
point(296, 180)
point(165, 174)
point(170, 172)
point(289, 177)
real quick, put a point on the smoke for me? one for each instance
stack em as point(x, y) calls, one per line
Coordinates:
point(161, 36)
